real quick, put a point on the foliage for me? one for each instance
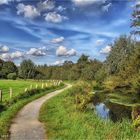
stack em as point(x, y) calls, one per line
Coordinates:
point(84, 69)
point(112, 82)
point(12, 76)
point(82, 94)
point(8, 67)
point(136, 122)
point(136, 19)
point(27, 69)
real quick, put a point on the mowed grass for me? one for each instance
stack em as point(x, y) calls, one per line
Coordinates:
point(18, 86)
point(63, 122)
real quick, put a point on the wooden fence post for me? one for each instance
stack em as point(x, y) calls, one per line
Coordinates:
point(36, 86)
point(0, 95)
point(11, 92)
point(42, 85)
point(31, 86)
point(25, 89)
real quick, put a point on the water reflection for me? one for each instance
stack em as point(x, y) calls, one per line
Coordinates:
point(102, 111)
point(107, 110)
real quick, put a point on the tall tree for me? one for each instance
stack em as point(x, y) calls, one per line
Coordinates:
point(9, 67)
point(136, 19)
point(27, 69)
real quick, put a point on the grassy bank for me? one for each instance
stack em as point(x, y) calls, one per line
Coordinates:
point(64, 122)
point(16, 104)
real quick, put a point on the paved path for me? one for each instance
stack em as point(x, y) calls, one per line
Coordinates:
point(26, 125)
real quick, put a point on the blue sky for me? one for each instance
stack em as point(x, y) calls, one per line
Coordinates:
point(52, 31)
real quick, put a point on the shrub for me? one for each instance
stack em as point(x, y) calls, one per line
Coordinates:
point(1, 107)
point(12, 76)
point(136, 122)
point(112, 82)
point(82, 94)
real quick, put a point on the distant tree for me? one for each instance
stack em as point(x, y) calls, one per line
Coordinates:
point(9, 67)
point(121, 50)
point(83, 59)
point(136, 19)
point(1, 63)
point(27, 69)
point(87, 73)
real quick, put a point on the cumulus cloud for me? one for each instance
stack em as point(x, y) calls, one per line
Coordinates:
point(58, 62)
point(87, 2)
point(60, 8)
point(5, 1)
point(4, 48)
point(28, 11)
point(54, 17)
point(137, 2)
point(71, 52)
point(5, 56)
point(62, 51)
point(106, 50)
point(37, 51)
point(57, 40)
point(100, 42)
point(46, 5)
point(12, 56)
point(17, 54)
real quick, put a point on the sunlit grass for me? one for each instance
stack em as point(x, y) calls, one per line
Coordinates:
point(63, 122)
point(18, 86)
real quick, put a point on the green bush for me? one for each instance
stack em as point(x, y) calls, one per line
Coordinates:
point(136, 122)
point(82, 94)
point(112, 82)
point(12, 76)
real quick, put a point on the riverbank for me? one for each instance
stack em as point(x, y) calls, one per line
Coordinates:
point(63, 121)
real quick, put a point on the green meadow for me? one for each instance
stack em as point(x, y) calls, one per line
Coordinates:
point(18, 86)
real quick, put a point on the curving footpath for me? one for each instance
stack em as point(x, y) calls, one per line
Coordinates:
point(26, 125)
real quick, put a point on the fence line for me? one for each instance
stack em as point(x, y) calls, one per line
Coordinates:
point(43, 85)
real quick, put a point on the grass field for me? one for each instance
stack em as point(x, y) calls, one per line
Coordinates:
point(63, 122)
point(18, 86)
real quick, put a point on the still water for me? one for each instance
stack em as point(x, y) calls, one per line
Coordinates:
point(107, 110)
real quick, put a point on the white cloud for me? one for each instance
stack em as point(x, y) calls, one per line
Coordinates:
point(37, 51)
point(5, 1)
point(87, 2)
point(57, 40)
point(54, 17)
point(106, 7)
point(17, 54)
point(28, 11)
point(60, 8)
point(62, 51)
point(58, 62)
point(106, 50)
point(4, 49)
point(46, 5)
point(71, 52)
point(11, 56)
point(100, 42)
point(137, 2)
point(5, 56)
